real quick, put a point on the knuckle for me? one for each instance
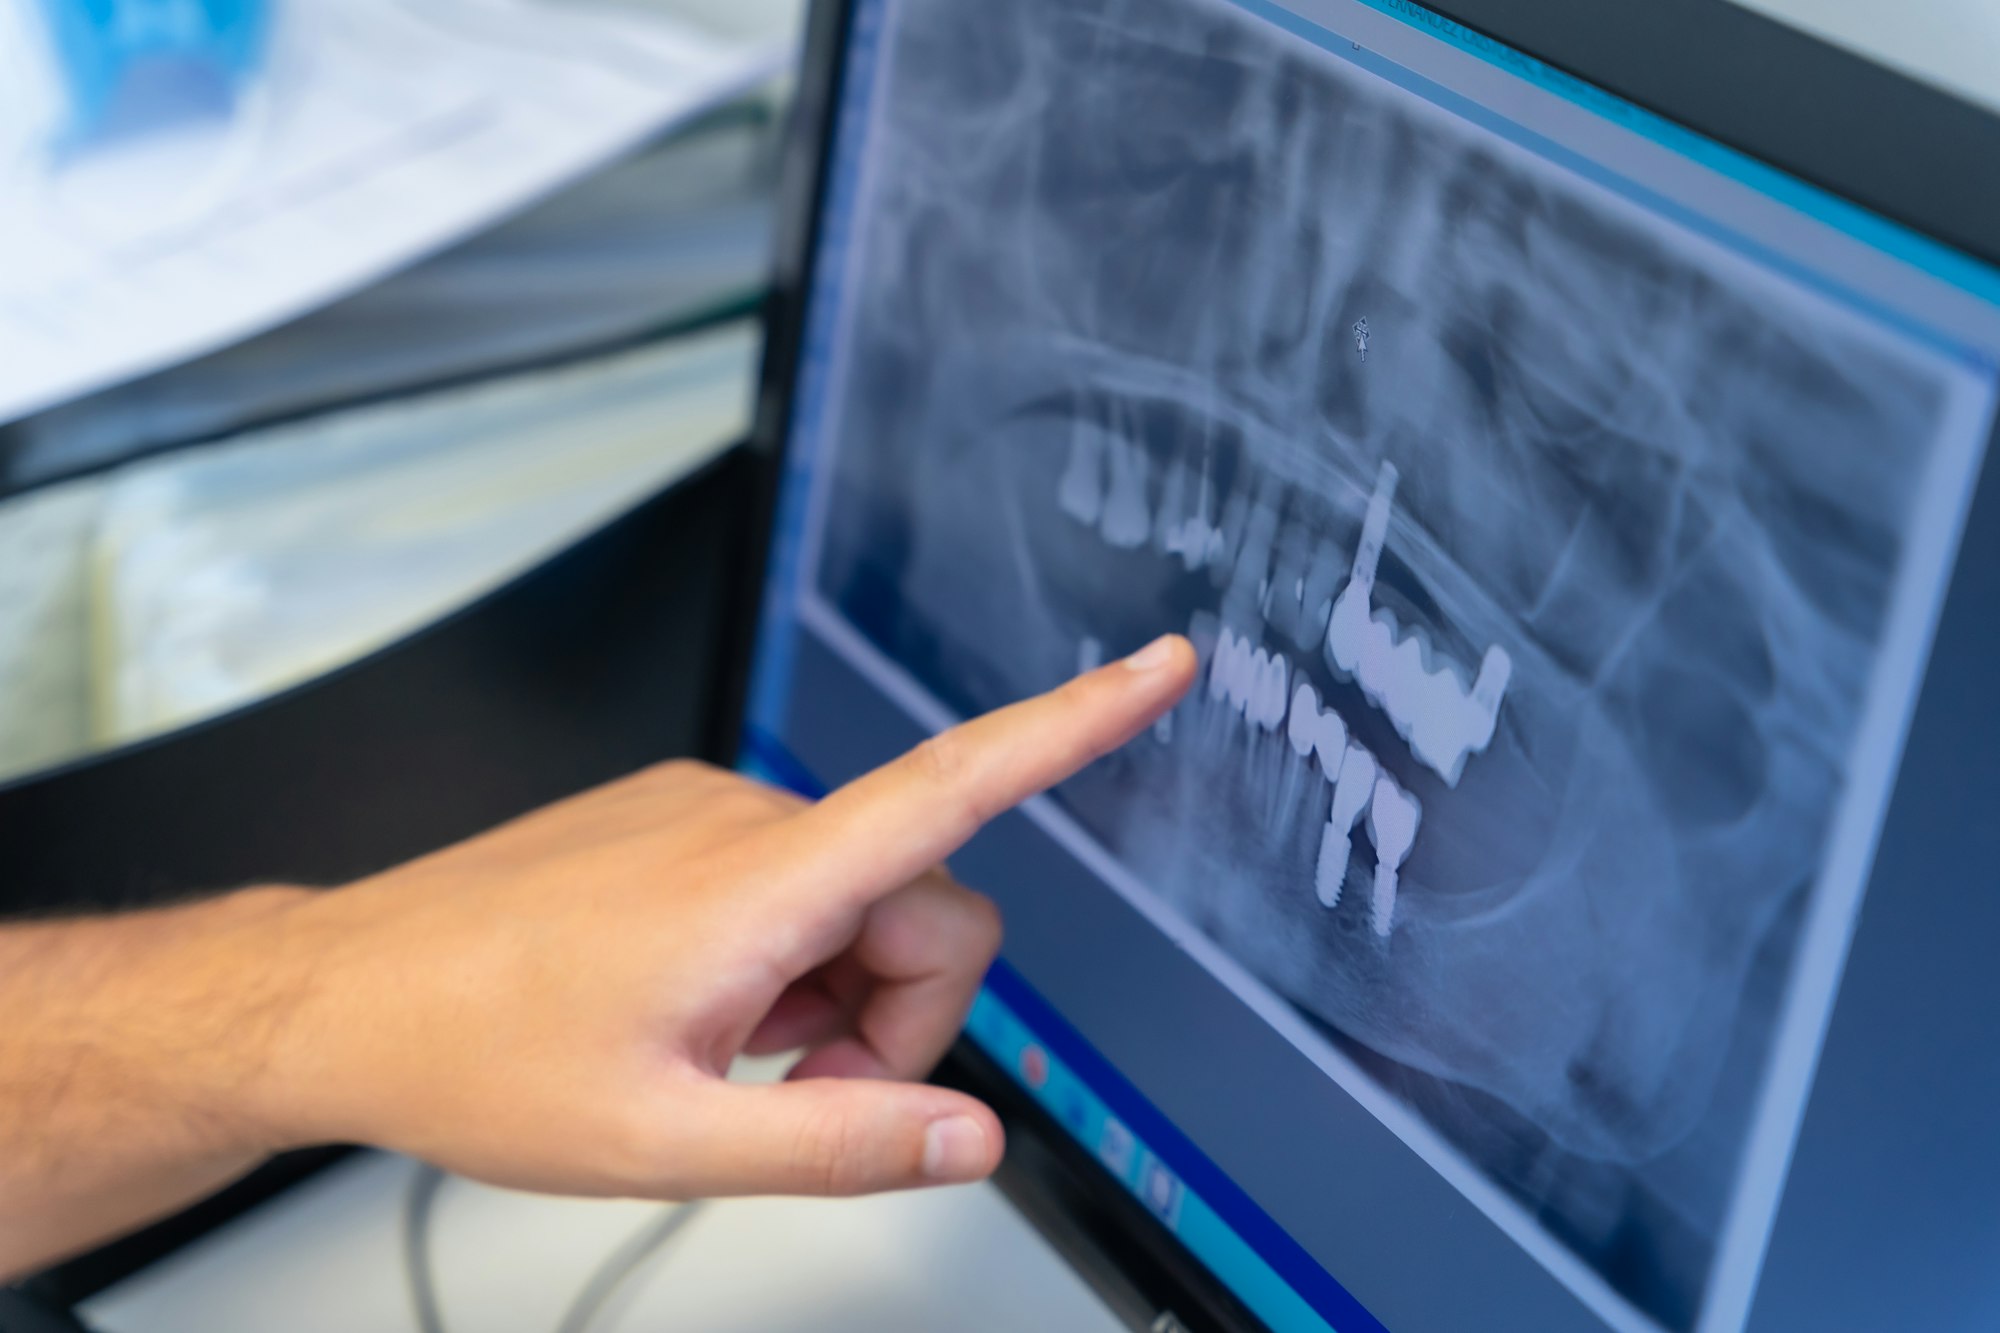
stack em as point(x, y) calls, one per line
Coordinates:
point(744, 800)
point(673, 775)
point(680, 770)
point(942, 765)
point(826, 1156)
point(939, 760)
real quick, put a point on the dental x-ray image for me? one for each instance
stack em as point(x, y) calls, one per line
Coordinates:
point(1539, 555)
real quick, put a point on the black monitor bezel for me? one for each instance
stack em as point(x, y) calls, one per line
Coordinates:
point(1902, 148)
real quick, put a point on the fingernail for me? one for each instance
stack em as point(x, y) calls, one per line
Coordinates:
point(1153, 656)
point(954, 1149)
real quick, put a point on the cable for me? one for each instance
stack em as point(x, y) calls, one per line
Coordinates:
point(419, 1203)
point(617, 1270)
point(420, 1207)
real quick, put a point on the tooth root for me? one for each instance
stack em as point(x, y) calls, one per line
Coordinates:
point(1302, 726)
point(1393, 815)
point(1081, 490)
point(1126, 524)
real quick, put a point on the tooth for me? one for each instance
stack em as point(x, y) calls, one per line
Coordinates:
point(1236, 683)
point(1495, 669)
point(1303, 725)
point(1330, 744)
point(1250, 580)
point(1227, 540)
point(1288, 583)
point(1322, 584)
point(1219, 663)
point(1126, 522)
point(1172, 518)
point(1251, 703)
point(1351, 792)
point(1203, 627)
point(1392, 826)
point(1089, 655)
point(1354, 786)
point(1271, 697)
point(1081, 491)
point(1197, 532)
point(1229, 655)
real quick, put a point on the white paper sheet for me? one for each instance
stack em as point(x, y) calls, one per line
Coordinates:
point(377, 132)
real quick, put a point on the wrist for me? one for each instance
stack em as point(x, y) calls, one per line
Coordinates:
point(306, 1072)
point(131, 1064)
point(234, 974)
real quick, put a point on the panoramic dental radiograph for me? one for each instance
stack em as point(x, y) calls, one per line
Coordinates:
point(1538, 555)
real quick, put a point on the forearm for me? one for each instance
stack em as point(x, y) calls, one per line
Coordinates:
point(130, 1052)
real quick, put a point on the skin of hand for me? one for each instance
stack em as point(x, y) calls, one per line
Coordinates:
point(554, 1005)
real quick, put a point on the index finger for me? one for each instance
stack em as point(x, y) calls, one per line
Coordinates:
point(884, 829)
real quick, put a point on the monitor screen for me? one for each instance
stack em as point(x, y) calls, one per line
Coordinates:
point(1562, 505)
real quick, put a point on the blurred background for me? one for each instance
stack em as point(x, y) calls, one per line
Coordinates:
point(321, 318)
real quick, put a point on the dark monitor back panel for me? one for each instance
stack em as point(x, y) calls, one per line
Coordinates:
point(597, 662)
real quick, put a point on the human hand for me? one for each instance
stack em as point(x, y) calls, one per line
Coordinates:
point(554, 1005)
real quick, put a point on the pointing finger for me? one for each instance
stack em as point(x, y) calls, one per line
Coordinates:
point(886, 828)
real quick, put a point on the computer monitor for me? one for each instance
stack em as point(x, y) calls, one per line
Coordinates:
point(1565, 902)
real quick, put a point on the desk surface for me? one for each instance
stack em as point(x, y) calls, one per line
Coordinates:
point(326, 1258)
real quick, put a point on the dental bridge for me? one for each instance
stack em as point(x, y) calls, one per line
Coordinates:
point(1423, 693)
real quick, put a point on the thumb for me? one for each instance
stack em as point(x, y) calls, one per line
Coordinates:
point(840, 1136)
